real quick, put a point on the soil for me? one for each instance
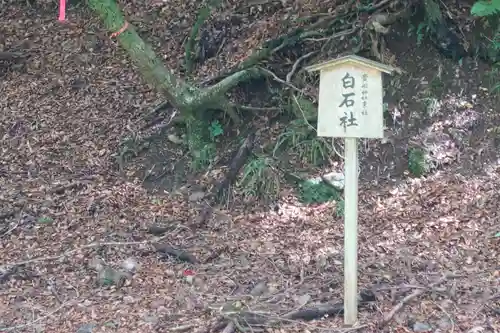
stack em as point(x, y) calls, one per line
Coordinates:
point(69, 105)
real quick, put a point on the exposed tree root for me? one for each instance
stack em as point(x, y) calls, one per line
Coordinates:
point(238, 161)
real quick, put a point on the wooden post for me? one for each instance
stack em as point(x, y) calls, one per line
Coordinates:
point(351, 232)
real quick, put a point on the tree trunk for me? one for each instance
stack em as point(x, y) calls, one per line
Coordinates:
point(179, 93)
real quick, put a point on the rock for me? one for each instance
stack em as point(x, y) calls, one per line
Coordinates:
point(129, 299)
point(111, 324)
point(130, 265)
point(302, 300)
point(174, 139)
point(150, 319)
point(335, 179)
point(86, 328)
point(196, 196)
point(190, 279)
point(421, 327)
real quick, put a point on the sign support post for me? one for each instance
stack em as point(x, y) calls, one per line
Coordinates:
point(351, 231)
point(348, 85)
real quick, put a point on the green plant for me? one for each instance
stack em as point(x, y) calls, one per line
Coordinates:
point(215, 130)
point(301, 137)
point(492, 79)
point(302, 108)
point(436, 86)
point(421, 30)
point(316, 192)
point(201, 149)
point(260, 179)
point(45, 220)
point(432, 17)
point(417, 163)
point(203, 157)
point(340, 208)
point(485, 8)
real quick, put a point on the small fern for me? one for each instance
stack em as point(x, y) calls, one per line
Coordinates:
point(485, 8)
point(202, 158)
point(260, 179)
point(340, 208)
point(301, 138)
point(421, 30)
point(417, 163)
point(317, 192)
point(432, 11)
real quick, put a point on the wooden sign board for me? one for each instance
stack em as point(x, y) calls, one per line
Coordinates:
point(350, 98)
point(350, 106)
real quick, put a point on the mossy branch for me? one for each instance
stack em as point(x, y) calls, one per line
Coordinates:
point(177, 91)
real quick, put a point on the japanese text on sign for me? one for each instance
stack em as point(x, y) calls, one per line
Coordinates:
point(364, 95)
point(348, 119)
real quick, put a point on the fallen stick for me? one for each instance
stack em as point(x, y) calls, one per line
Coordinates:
point(70, 252)
point(237, 162)
point(414, 295)
point(259, 289)
point(179, 254)
point(182, 328)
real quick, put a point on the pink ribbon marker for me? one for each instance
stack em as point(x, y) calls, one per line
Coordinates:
point(62, 10)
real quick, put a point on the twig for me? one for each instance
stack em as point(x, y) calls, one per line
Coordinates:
point(182, 328)
point(275, 77)
point(313, 128)
point(338, 34)
point(259, 289)
point(69, 252)
point(274, 319)
point(162, 127)
point(297, 63)
point(447, 315)
point(179, 254)
point(414, 295)
point(380, 4)
point(159, 107)
point(256, 108)
point(14, 227)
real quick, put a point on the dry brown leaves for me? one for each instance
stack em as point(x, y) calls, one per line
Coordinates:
point(63, 114)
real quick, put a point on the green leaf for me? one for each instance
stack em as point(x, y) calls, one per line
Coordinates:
point(215, 129)
point(312, 191)
point(45, 220)
point(485, 8)
point(417, 164)
point(497, 235)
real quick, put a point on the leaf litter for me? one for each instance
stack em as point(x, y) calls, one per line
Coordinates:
point(64, 204)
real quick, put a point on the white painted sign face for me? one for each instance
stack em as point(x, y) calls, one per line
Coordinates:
point(350, 102)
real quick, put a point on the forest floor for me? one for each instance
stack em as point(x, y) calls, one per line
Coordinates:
point(63, 202)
